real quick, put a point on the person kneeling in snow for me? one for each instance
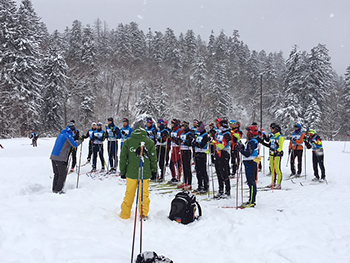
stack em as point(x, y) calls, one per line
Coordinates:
point(129, 169)
point(59, 156)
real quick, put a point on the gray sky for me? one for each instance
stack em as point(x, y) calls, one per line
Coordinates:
point(272, 25)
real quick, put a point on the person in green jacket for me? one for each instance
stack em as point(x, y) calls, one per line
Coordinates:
point(129, 169)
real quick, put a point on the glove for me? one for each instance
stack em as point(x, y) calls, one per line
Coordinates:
point(259, 139)
point(81, 138)
point(294, 139)
point(123, 176)
point(154, 175)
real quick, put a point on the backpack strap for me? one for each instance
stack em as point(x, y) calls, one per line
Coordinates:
point(199, 210)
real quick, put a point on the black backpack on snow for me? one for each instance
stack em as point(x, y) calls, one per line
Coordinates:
point(152, 257)
point(183, 208)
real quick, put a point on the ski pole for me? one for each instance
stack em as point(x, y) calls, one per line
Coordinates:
point(81, 150)
point(211, 172)
point(137, 202)
point(288, 157)
point(237, 183)
point(141, 212)
point(305, 162)
point(241, 179)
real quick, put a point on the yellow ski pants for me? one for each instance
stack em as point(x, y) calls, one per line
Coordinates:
point(131, 186)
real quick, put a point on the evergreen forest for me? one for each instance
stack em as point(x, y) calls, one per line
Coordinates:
point(91, 72)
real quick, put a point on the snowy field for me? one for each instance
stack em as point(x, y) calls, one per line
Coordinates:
point(302, 223)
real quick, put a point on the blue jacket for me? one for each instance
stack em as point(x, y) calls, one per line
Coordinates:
point(63, 144)
point(125, 133)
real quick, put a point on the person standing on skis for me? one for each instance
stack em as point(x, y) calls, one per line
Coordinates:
point(222, 144)
point(74, 150)
point(130, 169)
point(250, 152)
point(89, 135)
point(175, 159)
point(296, 150)
point(162, 141)
point(98, 137)
point(112, 132)
point(201, 150)
point(236, 135)
point(187, 138)
point(276, 152)
point(314, 141)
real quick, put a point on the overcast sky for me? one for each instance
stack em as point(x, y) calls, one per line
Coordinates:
point(272, 25)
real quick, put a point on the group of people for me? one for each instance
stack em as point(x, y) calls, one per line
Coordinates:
point(182, 146)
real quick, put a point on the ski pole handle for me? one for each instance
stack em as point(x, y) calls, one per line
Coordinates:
point(142, 146)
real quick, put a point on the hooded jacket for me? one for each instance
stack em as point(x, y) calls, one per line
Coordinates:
point(63, 144)
point(129, 159)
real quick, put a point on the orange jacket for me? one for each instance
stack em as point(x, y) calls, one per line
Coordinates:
point(296, 141)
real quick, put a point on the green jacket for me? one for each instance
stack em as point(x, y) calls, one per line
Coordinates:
point(130, 162)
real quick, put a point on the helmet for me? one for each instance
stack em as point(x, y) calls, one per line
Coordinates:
point(224, 123)
point(252, 131)
point(125, 120)
point(185, 124)
point(71, 126)
point(218, 120)
point(272, 125)
point(165, 123)
point(99, 124)
point(277, 128)
point(311, 131)
point(110, 119)
point(298, 126)
point(176, 122)
point(201, 126)
point(73, 121)
point(93, 124)
point(161, 121)
point(233, 122)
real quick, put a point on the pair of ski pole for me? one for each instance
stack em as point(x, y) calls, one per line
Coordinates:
point(140, 178)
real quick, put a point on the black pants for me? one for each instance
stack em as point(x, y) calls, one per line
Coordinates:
point(112, 153)
point(318, 160)
point(97, 149)
point(222, 168)
point(186, 166)
point(74, 157)
point(90, 150)
point(161, 159)
point(60, 175)
point(201, 170)
point(234, 161)
point(299, 155)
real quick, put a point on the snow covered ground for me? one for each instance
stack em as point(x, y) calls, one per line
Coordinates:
point(307, 223)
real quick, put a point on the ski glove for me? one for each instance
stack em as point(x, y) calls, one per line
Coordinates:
point(123, 176)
